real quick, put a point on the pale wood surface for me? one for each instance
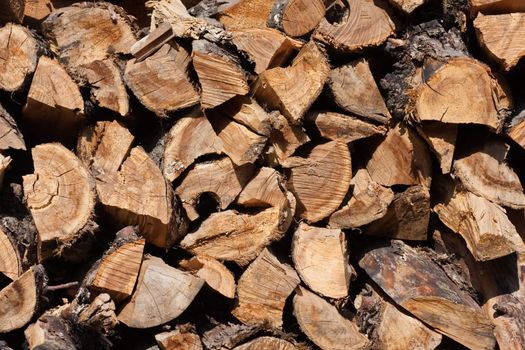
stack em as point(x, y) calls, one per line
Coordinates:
point(216, 275)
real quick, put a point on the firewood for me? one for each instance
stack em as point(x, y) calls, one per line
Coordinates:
point(36, 11)
point(401, 158)
point(337, 126)
point(293, 89)
point(20, 299)
point(496, 6)
point(321, 259)
point(190, 138)
point(162, 294)
point(265, 189)
point(369, 202)
point(247, 14)
point(297, 17)
point(219, 177)
point(98, 315)
point(324, 325)
point(407, 216)
point(51, 332)
point(177, 340)
point(484, 171)
point(54, 108)
point(61, 197)
point(220, 73)
point(407, 6)
point(101, 27)
point(266, 47)
point(441, 138)
point(320, 181)
point(248, 112)
point(263, 343)
point(12, 10)
point(515, 129)
point(216, 275)
point(10, 136)
point(19, 52)
point(285, 138)
point(10, 261)
point(4, 164)
point(491, 29)
point(364, 24)
point(228, 335)
point(154, 80)
point(421, 287)
point(263, 289)
point(355, 90)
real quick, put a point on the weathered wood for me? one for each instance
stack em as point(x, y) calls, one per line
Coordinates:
point(263, 289)
point(248, 112)
point(247, 14)
point(12, 10)
point(156, 38)
point(265, 189)
point(4, 165)
point(51, 332)
point(177, 340)
point(228, 335)
point(407, 6)
point(516, 129)
point(36, 11)
point(263, 343)
point(216, 275)
point(10, 135)
point(297, 17)
point(441, 138)
point(337, 126)
point(10, 259)
point(496, 6)
point(285, 138)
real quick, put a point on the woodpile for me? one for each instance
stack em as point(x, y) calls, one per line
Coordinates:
point(262, 174)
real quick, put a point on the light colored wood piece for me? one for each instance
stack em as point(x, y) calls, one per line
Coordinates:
point(264, 343)
point(285, 138)
point(247, 14)
point(407, 6)
point(10, 136)
point(496, 6)
point(248, 112)
point(263, 190)
point(216, 275)
point(10, 259)
point(37, 10)
point(337, 126)
point(297, 17)
point(177, 340)
point(441, 138)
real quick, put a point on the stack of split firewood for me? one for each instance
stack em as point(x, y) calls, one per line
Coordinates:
point(262, 174)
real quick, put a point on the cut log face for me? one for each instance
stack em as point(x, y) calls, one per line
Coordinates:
point(216, 275)
point(363, 25)
point(10, 259)
point(496, 6)
point(441, 138)
point(355, 90)
point(321, 181)
point(19, 53)
point(37, 10)
point(285, 138)
point(19, 300)
point(321, 260)
point(248, 112)
point(10, 136)
point(484, 172)
point(407, 6)
point(347, 128)
point(297, 17)
point(12, 10)
point(154, 80)
point(324, 325)
point(264, 343)
point(369, 202)
point(162, 294)
point(263, 289)
point(219, 177)
point(61, 197)
point(247, 14)
point(89, 32)
point(401, 158)
point(177, 340)
point(265, 189)
point(293, 89)
point(220, 74)
point(416, 283)
point(443, 96)
point(190, 138)
point(54, 105)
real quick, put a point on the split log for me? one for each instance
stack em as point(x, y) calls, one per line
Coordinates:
point(248, 112)
point(324, 325)
point(36, 11)
point(265, 189)
point(401, 158)
point(263, 343)
point(219, 177)
point(99, 315)
point(11, 260)
point(496, 6)
point(516, 129)
point(216, 275)
point(89, 32)
point(228, 335)
point(347, 128)
point(10, 135)
point(190, 138)
point(20, 299)
point(293, 89)
point(54, 108)
point(285, 138)
point(441, 138)
point(364, 24)
point(177, 340)
point(12, 10)
point(421, 287)
point(51, 332)
point(263, 289)
point(61, 197)
point(369, 202)
point(321, 259)
point(355, 90)
point(162, 294)
point(154, 80)
point(321, 181)
point(220, 74)
point(18, 56)
point(4, 165)
point(247, 14)
point(407, 6)
point(297, 17)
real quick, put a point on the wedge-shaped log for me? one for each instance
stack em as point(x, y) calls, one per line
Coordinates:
point(285, 138)
point(441, 138)
point(10, 259)
point(265, 189)
point(407, 6)
point(297, 17)
point(247, 14)
point(263, 343)
point(177, 340)
point(337, 126)
point(216, 275)
point(246, 111)
point(10, 135)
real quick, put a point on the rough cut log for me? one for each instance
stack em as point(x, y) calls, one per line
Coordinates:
point(10, 258)
point(364, 24)
point(355, 90)
point(220, 73)
point(18, 56)
point(324, 325)
point(190, 138)
point(416, 283)
point(216, 275)
point(293, 89)
point(88, 32)
point(321, 259)
point(321, 181)
point(54, 108)
point(228, 335)
point(263, 289)
point(61, 197)
point(266, 47)
point(51, 332)
point(219, 177)
point(265, 189)
point(10, 135)
point(337, 126)
point(285, 138)
point(441, 138)
point(401, 158)
point(177, 340)
point(154, 80)
point(12, 10)
point(369, 202)
point(20, 299)
point(247, 14)
point(36, 11)
point(407, 6)
point(162, 294)
point(248, 112)
point(297, 17)
point(496, 6)
point(263, 343)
